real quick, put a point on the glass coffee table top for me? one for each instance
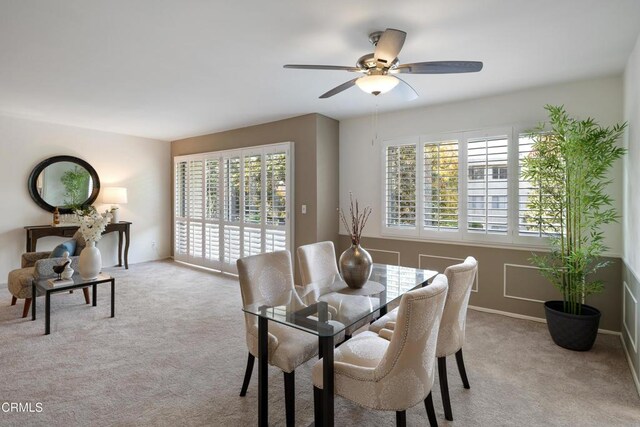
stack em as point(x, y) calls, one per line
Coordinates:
point(44, 284)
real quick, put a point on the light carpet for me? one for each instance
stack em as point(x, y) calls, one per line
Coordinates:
point(175, 355)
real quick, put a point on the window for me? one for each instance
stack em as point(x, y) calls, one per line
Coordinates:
point(422, 179)
point(499, 172)
point(498, 202)
point(231, 204)
point(531, 197)
point(400, 190)
point(485, 153)
point(476, 172)
point(441, 185)
point(476, 203)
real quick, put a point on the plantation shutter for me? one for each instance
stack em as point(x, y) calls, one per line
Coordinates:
point(231, 227)
point(180, 210)
point(196, 209)
point(252, 212)
point(276, 221)
point(440, 186)
point(230, 205)
point(400, 186)
point(212, 211)
point(530, 194)
point(487, 196)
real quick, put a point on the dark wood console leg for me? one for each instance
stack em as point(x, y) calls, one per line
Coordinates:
point(126, 248)
point(119, 248)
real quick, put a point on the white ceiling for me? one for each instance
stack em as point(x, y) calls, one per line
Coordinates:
point(168, 69)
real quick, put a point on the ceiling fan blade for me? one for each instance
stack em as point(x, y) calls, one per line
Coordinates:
point(336, 90)
point(323, 67)
point(389, 45)
point(406, 90)
point(439, 67)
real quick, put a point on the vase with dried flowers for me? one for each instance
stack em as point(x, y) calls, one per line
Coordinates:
point(92, 224)
point(355, 262)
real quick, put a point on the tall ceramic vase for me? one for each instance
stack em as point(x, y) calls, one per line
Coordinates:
point(90, 262)
point(355, 266)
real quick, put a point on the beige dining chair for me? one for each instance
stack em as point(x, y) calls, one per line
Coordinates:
point(317, 262)
point(267, 279)
point(397, 372)
point(452, 328)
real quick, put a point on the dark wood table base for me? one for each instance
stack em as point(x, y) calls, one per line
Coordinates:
point(48, 292)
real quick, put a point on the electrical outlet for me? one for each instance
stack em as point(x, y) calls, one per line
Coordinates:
point(153, 244)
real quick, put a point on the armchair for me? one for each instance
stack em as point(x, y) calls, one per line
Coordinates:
point(36, 266)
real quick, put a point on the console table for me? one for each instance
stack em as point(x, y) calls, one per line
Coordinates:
point(34, 232)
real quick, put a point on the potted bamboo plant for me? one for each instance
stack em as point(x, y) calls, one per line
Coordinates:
point(569, 163)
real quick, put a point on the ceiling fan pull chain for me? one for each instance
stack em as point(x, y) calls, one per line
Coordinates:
point(374, 124)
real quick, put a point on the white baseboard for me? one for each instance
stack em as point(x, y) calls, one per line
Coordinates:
point(630, 362)
point(532, 318)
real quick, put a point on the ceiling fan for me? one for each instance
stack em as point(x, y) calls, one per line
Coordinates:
point(381, 67)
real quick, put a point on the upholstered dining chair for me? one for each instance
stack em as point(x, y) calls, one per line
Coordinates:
point(392, 371)
point(268, 279)
point(317, 262)
point(452, 328)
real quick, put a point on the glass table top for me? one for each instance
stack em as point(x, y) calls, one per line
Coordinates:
point(328, 307)
point(44, 284)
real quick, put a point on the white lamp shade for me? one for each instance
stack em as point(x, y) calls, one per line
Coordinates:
point(377, 84)
point(114, 195)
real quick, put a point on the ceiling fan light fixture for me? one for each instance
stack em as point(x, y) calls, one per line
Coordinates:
point(377, 84)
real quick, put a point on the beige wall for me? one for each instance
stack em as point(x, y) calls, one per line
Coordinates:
point(315, 140)
point(139, 164)
point(327, 152)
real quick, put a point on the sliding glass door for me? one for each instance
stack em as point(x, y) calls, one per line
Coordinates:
point(232, 204)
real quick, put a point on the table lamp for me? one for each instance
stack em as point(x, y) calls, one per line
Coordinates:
point(114, 196)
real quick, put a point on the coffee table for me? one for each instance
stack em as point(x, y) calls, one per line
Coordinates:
point(78, 283)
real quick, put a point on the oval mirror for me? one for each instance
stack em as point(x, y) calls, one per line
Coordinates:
point(65, 182)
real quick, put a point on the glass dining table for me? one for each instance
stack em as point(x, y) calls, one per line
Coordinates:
point(328, 308)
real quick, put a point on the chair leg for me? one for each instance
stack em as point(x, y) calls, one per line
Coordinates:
point(444, 387)
point(463, 372)
point(27, 305)
point(13, 300)
point(290, 397)
point(85, 291)
point(247, 374)
point(401, 418)
point(431, 412)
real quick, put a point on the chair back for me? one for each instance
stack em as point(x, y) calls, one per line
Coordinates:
point(266, 278)
point(461, 278)
point(406, 371)
point(317, 262)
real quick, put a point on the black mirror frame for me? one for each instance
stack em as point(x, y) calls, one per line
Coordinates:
point(33, 190)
